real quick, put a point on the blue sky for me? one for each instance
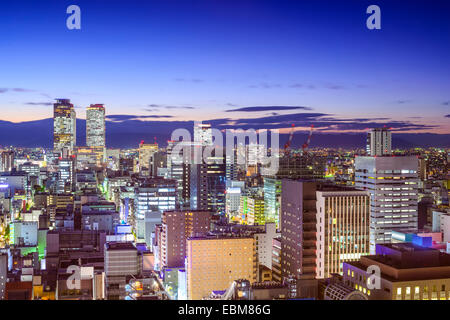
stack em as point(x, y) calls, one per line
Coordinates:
point(196, 59)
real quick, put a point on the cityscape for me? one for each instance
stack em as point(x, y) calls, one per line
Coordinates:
point(253, 200)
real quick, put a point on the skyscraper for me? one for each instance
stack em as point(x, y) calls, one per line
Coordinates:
point(95, 125)
point(342, 228)
point(64, 125)
point(379, 142)
point(146, 151)
point(7, 163)
point(392, 184)
point(177, 226)
point(298, 229)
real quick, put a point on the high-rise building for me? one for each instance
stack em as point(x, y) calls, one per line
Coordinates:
point(177, 226)
point(95, 126)
point(252, 209)
point(66, 175)
point(233, 197)
point(342, 229)
point(207, 184)
point(3, 273)
point(392, 184)
point(146, 151)
point(298, 229)
point(202, 134)
point(7, 163)
point(272, 200)
point(379, 142)
point(214, 262)
point(64, 125)
point(153, 197)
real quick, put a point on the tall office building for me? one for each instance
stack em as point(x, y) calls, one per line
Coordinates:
point(153, 197)
point(66, 175)
point(298, 229)
point(3, 273)
point(272, 200)
point(207, 183)
point(177, 226)
point(392, 184)
point(379, 142)
point(146, 151)
point(7, 163)
point(214, 262)
point(342, 229)
point(64, 125)
point(95, 125)
point(202, 134)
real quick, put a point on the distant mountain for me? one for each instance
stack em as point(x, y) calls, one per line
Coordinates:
point(128, 134)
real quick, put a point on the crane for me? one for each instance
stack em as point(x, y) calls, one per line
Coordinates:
point(288, 143)
point(306, 144)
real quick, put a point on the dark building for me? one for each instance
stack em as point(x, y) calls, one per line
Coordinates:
point(298, 235)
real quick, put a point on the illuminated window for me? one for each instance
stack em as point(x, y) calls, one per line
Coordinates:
point(399, 291)
point(416, 290)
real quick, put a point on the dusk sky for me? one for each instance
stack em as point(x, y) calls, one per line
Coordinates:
point(194, 60)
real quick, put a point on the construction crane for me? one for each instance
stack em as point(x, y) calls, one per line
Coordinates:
point(287, 146)
point(306, 144)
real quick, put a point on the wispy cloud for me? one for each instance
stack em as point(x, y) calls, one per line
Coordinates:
point(39, 103)
point(402, 101)
point(267, 108)
point(124, 117)
point(156, 107)
point(3, 90)
point(189, 80)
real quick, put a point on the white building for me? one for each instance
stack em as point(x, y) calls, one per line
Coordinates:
point(95, 125)
point(264, 244)
point(24, 233)
point(379, 142)
point(392, 184)
point(342, 231)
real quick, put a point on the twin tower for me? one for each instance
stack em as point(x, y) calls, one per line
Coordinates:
point(65, 125)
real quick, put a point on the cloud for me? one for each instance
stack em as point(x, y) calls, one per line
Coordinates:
point(124, 117)
point(188, 80)
point(403, 101)
point(334, 86)
point(301, 86)
point(267, 108)
point(39, 103)
point(3, 90)
point(265, 85)
point(447, 115)
point(321, 121)
point(153, 107)
point(176, 107)
point(21, 90)
point(446, 103)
